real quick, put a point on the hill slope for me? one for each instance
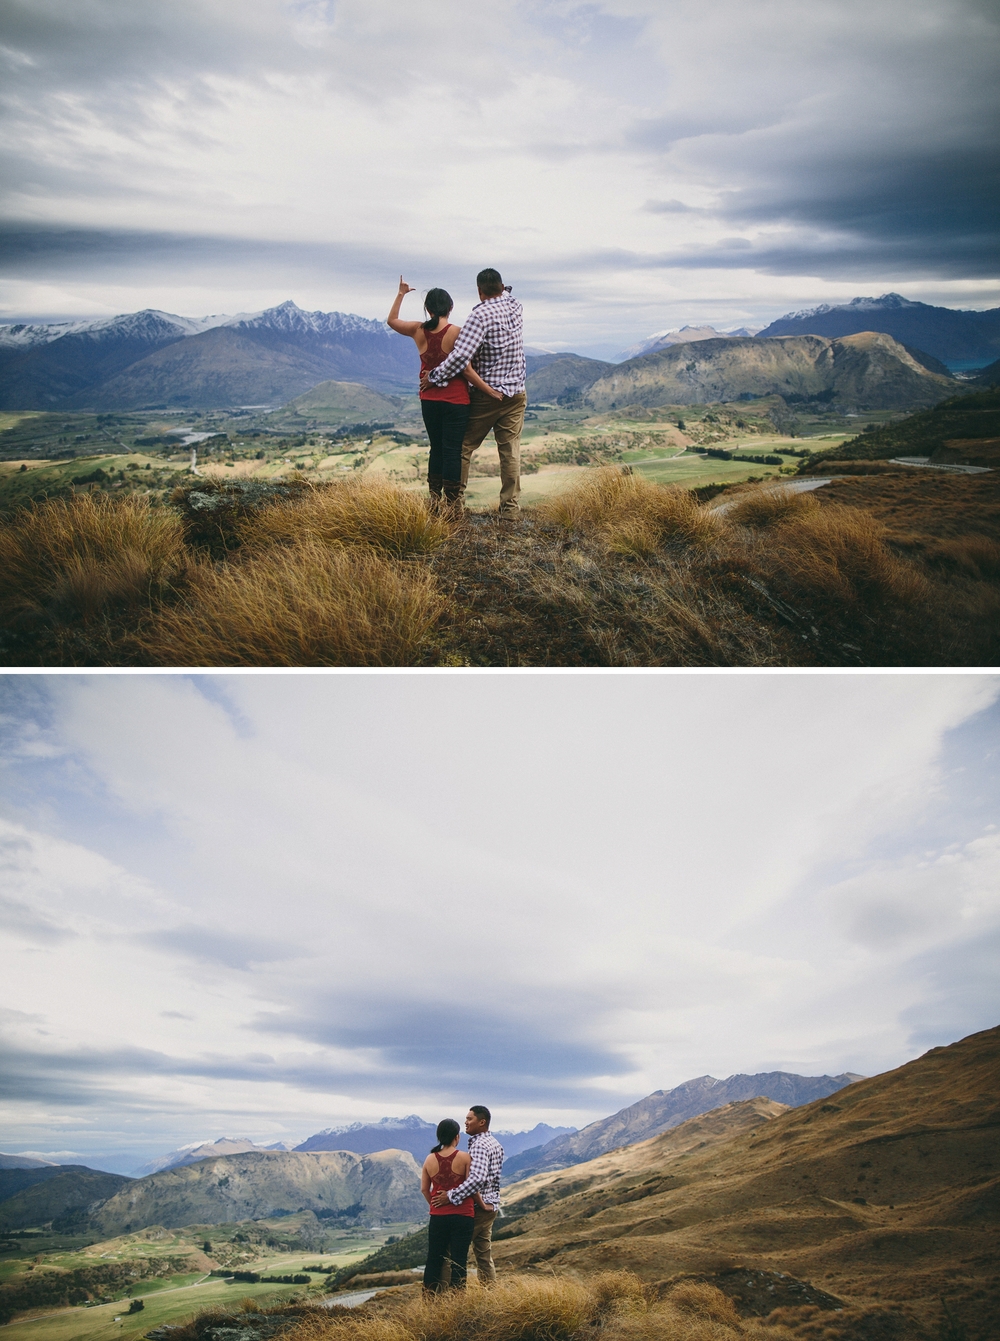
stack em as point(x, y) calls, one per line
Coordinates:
point(560, 377)
point(961, 421)
point(249, 1186)
point(69, 1195)
point(958, 337)
point(668, 1108)
point(866, 371)
point(332, 402)
point(887, 1191)
point(153, 359)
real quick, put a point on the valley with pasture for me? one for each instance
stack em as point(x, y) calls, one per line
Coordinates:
point(868, 1211)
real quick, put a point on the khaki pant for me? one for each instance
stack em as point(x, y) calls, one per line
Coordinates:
point(506, 419)
point(482, 1238)
point(482, 1247)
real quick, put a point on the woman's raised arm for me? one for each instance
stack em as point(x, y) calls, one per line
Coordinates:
point(403, 327)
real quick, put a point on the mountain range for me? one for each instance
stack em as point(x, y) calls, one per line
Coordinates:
point(664, 1109)
point(870, 371)
point(862, 1209)
point(685, 335)
point(152, 359)
point(414, 1134)
point(196, 1150)
point(961, 339)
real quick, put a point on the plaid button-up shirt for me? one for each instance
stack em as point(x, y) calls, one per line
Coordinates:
point(492, 339)
point(484, 1172)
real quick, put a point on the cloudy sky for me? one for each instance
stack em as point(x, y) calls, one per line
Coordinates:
point(630, 165)
point(264, 904)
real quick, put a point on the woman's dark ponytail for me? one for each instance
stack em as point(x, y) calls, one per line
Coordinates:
point(437, 304)
point(447, 1128)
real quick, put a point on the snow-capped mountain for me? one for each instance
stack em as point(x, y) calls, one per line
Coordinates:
point(414, 1134)
point(685, 335)
point(153, 359)
point(961, 339)
point(196, 1150)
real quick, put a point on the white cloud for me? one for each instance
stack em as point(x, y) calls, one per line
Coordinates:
point(531, 135)
point(296, 900)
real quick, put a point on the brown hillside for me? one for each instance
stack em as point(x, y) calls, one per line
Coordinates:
point(885, 1195)
point(869, 371)
point(629, 1165)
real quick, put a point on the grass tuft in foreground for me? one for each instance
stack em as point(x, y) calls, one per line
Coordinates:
point(302, 605)
point(366, 511)
point(614, 1306)
point(618, 571)
point(76, 566)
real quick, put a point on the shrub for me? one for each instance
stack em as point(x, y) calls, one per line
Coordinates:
point(306, 605)
point(366, 511)
point(839, 554)
point(632, 515)
point(769, 507)
point(70, 560)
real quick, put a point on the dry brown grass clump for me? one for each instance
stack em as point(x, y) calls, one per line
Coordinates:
point(840, 555)
point(556, 1308)
point(366, 511)
point(302, 605)
point(632, 515)
point(72, 561)
point(769, 507)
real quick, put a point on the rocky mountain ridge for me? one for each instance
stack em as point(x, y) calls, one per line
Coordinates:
point(867, 371)
point(664, 1109)
point(250, 1186)
point(154, 359)
point(958, 337)
point(887, 1192)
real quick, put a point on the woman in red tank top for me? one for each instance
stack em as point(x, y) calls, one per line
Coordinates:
point(449, 1233)
point(445, 409)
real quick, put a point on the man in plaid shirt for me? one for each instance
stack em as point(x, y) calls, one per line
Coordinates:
point(483, 1182)
point(493, 340)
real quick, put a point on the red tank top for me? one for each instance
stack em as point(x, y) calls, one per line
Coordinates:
point(443, 1181)
point(457, 390)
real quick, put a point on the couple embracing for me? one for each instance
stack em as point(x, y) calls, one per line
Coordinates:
point(463, 1191)
point(471, 380)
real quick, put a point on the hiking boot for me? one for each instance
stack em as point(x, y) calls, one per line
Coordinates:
point(435, 484)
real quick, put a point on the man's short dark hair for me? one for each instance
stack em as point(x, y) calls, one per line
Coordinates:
point(489, 282)
point(480, 1110)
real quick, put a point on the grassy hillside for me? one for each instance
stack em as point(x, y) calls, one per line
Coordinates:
point(614, 571)
point(960, 420)
point(341, 403)
point(63, 1198)
point(886, 1191)
point(667, 1108)
point(631, 1166)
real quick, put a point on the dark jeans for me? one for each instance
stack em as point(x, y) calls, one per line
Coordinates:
point(448, 1236)
point(445, 424)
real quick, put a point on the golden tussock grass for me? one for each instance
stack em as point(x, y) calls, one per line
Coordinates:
point(301, 605)
point(70, 561)
point(769, 507)
point(840, 554)
point(631, 515)
point(366, 511)
point(614, 1306)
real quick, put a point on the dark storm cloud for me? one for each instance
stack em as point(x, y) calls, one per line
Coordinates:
point(521, 1054)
